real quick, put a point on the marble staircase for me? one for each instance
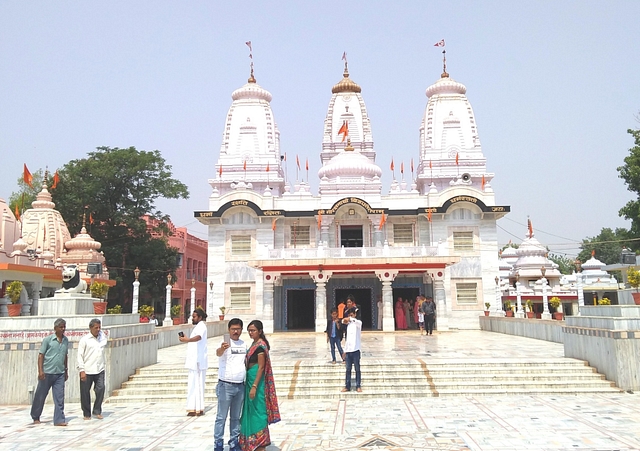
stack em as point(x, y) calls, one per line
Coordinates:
point(406, 378)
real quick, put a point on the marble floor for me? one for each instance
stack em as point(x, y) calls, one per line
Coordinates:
point(594, 422)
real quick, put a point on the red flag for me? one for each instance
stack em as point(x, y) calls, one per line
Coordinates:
point(91, 218)
point(273, 224)
point(412, 165)
point(430, 165)
point(344, 130)
point(440, 43)
point(429, 216)
point(267, 166)
point(27, 177)
point(17, 212)
point(56, 179)
point(392, 166)
point(244, 166)
point(383, 219)
point(593, 253)
point(249, 45)
point(457, 154)
point(483, 182)
point(220, 171)
point(402, 167)
point(319, 219)
point(297, 161)
point(306, 165)
point(530, 227)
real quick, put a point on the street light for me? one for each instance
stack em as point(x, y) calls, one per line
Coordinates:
point(545, 298)
point(167, 307)
point(579, 293)
point(498, 308)
point(136, 290)
point(193, 295)
point(519, 312)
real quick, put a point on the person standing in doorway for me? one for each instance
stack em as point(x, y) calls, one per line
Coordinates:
point(429, 310)
point(197, 363)
point(352, 348)
point(230, 388)
point(380, 312)
point(91, 366)
point(334, 333)
point(340, 310)
point(52, 374)
point(401, 321)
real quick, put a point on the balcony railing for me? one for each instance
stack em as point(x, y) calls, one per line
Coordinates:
point(348, 252)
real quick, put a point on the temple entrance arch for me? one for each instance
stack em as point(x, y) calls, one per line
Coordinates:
point(300, 310)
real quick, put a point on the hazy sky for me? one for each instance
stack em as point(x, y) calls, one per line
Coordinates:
point(554, 87)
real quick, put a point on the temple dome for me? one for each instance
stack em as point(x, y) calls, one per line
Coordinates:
point(446, 85)
point(350, 163)
point(251, 90)
point(346, 84)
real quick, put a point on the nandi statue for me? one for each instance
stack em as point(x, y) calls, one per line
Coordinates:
point(71, 281)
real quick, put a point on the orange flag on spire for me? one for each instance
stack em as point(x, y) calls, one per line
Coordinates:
point(457, 155)
point(27, 177)
point(429, 216)
point(530, 227)
point(17, 212)
point(267, 166)
point(244, 166)
point(483, 182)
point(56, 179)
point(220, 171)
point(392, 166)
point(344, 130)
point(297, 161)
point(430, 165)
point(319, 219)
point(306, 165)
point(273, 224)
point(91, 221)
point(383, 220)
point(402, 167)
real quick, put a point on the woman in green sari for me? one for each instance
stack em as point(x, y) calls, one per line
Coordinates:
point(260, 402)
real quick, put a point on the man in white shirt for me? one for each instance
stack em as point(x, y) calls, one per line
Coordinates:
point(230, 389)
point(91, 365)
point(352, 347)
point(197, 363)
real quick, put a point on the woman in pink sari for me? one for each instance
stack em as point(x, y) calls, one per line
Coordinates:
point(260, 402)
point(401, 320)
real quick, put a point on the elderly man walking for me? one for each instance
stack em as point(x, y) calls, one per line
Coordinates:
point(197, 363)
point(52, 374)
point(91, 366)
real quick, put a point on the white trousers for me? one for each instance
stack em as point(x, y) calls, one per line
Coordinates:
point(195, 390)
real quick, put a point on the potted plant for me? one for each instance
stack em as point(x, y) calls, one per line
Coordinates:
point(223, 309)
point(507, 308)
point(487, 306)
point(604, 301)
point(14, 290)
point(556, 303)
point(529, 308)
point(116, 310)
point(176, 310)
point(633, 277)
point(145, 312)
point(99, 290)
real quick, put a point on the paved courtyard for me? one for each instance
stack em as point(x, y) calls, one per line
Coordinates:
point(594, 422)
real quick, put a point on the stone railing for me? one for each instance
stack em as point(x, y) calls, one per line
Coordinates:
point(348, 252)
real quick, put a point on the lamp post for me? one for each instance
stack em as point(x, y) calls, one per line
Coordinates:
point(580, 293)
point(519, 312)
point(210, 298)
point(136, 290)
point(167, 307)
point(193, 295)
point(545, 298)
point(498, 310)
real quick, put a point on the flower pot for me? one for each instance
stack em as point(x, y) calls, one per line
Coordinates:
point(530, 314)
point(177, 321)
point(509, 313)
point(636, 298)
point(558, 315)
point(486, 313)
point(14, 309)
point(99, 308)
point(144, 319)
point(221, 317)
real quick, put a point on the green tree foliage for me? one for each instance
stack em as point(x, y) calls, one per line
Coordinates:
point(630, 173)
point(26, 194)
point(607, 245)
point(115, 188)
point(565, 264)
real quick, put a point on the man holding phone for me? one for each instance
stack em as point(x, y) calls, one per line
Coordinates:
point(230, 388)
point(197, 362)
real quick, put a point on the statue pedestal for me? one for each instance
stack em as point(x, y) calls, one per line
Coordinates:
point(65, 304)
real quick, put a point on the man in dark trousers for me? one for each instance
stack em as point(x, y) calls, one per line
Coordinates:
point(429, 310)
point(334, 331)
point(52, 374)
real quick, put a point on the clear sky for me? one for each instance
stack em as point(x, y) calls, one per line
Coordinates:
point(554, 87)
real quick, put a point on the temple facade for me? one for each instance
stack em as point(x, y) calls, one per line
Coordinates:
point(285, 255)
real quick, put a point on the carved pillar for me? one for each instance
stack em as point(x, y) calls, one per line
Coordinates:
point(321, 278)
point(388, 323)
point(440, 298)
point(267, 302)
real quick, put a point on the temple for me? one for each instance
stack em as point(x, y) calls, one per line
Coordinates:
point(280, 253)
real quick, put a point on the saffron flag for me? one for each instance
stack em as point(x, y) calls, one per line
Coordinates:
point(273, 224)
point(383, 219)
point(483, 182)
point(430, 165)
point(17, 212)
point(344, 130)
point(319, 219)
point(392, 166)
point(249, 45)
point(402, 167)
point(244, 166)
point(27, 177)
point(306, 165)
point(267, 166)
point(220, 171)
point(297, 161)
point(440, 43)
point(457, 155)
point(530, 227)
point(429, 216)
point(91, 221)
point(56, 179)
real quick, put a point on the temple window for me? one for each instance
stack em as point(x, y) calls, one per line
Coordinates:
point(403, 234)
point(463, 241)
point(299, 236)
point(467, 293)
point(240, 245)
point(240, 297)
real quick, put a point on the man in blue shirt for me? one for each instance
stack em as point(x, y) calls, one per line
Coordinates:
point(52, 374)
point(334, 333)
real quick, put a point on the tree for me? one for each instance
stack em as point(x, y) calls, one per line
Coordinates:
point(607, 245)
point(630, 173)
point(565, 264)
point(112, 189)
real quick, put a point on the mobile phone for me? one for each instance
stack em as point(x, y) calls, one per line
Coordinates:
point(180, 334)
point(227, 339)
